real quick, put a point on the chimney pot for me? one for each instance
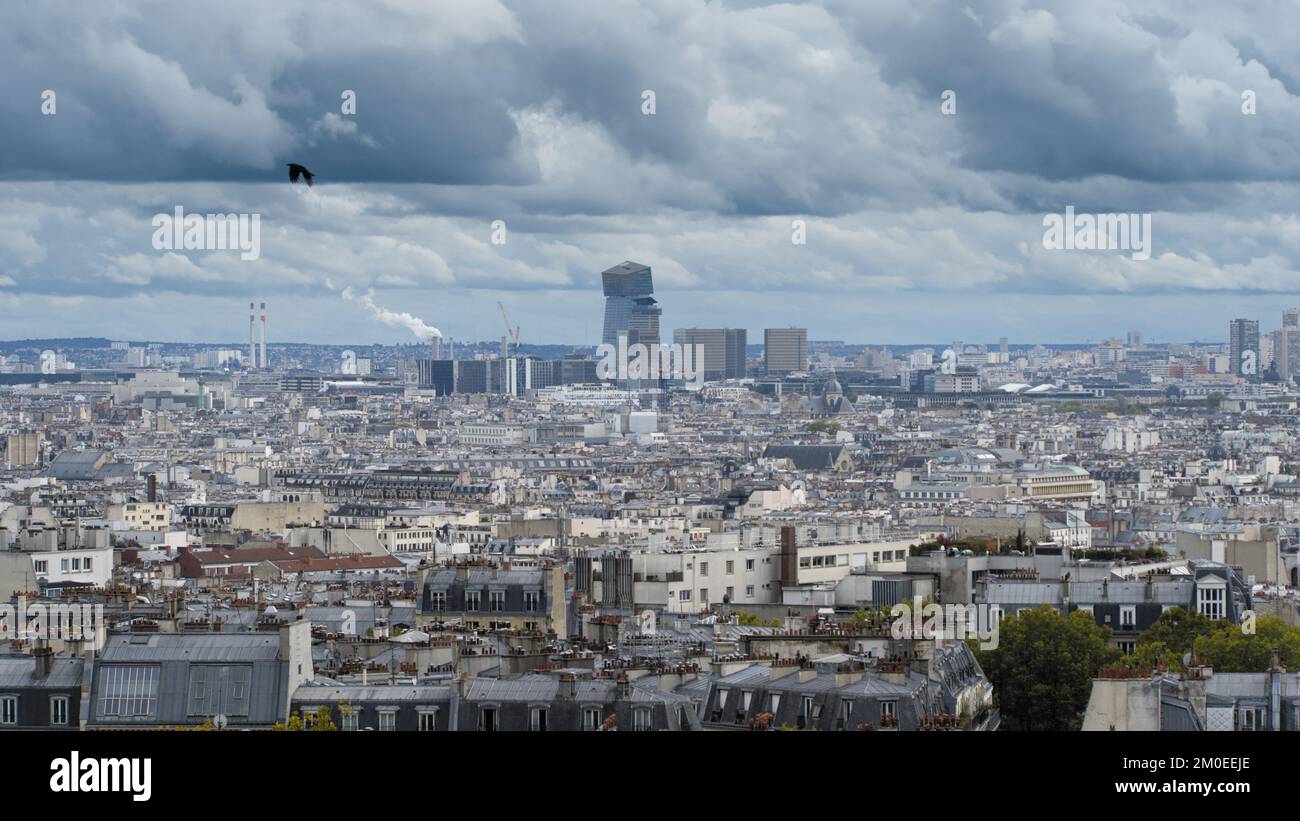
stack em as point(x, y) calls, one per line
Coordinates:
point(44, 657)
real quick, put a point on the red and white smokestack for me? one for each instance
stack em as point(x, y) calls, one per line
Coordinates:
point(264, 364)
point(252, 348)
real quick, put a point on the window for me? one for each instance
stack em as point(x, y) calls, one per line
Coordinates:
point(1210, 601)
point(8, 709)
point(531, 600)
point(496, 600)
point(846, 710)
point(63, 565)
point(731, 594)
point(746, 696)
point(537, 720)
point(129, 691)
point(471, 600)
point(591, 718)
point(76, 565)
point(438, 600)
point(1127, 617)
point(41, 565)
point(58, 709)
point(887, 709)
point(704, 595)
point(428, 720)
point(219, 689)
point(774, 703)
point(487, 719)
point(749, 591)
point(1250, 719)
point(704, 568)
point(641, 719)
point(686, 595)
point(387, 720)
point(749, 564)
point(350, 721)
point(85, 565)
point(731, 568)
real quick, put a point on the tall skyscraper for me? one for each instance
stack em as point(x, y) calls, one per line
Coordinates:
point(1286, 351)
point(630, 306)
point(724, 350)
point(785, 350)
point(1243, 347)
point(1291, 318)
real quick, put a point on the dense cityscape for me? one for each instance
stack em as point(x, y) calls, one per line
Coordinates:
point(451, 536)
point(782, 373)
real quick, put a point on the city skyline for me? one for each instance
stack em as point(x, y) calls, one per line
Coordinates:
point(920, 197)
point(383, 369)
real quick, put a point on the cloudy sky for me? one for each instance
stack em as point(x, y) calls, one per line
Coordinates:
point(921, 225)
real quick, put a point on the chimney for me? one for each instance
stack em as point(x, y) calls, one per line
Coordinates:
point(782, 668)
point(568, 687)
point(44, 657)
point(152, 484)
point(789, 560)
point(263, 355)
point(252, 348)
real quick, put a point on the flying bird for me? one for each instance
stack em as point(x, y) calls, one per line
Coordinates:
point(296, 171)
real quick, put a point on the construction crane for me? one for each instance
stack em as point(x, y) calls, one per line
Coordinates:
point(512, 333)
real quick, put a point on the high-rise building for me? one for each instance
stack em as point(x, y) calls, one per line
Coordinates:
point(785, 350)
point(724, 350)
point(1286, 352)
point(1243, 347)
point(1291, 318)
point(439, 374)
point(630, 306)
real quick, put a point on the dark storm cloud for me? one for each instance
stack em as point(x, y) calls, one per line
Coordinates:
point(531, 113)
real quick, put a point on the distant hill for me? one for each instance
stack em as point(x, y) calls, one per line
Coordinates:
point(77, 342)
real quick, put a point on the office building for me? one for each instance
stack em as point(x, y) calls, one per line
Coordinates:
point(1243, 347)
point(630, 307)
point(439, 374)
point(785, 350)
point(724, 350)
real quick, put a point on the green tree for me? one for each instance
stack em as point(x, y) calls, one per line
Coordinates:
point(1043, 667)
point(321, 721)
point(1229, 650)
point(752, 620)
point(822, 426)
point(1169, 638)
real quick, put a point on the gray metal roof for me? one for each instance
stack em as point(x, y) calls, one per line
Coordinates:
point(192, 647)
point(21, 672)
point(421, 694)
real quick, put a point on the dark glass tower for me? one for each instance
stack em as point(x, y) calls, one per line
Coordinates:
point(630, 306)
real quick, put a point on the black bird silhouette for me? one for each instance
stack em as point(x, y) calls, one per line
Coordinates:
point(296, 170)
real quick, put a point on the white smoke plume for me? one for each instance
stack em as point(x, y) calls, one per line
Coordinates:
point(395, 319)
